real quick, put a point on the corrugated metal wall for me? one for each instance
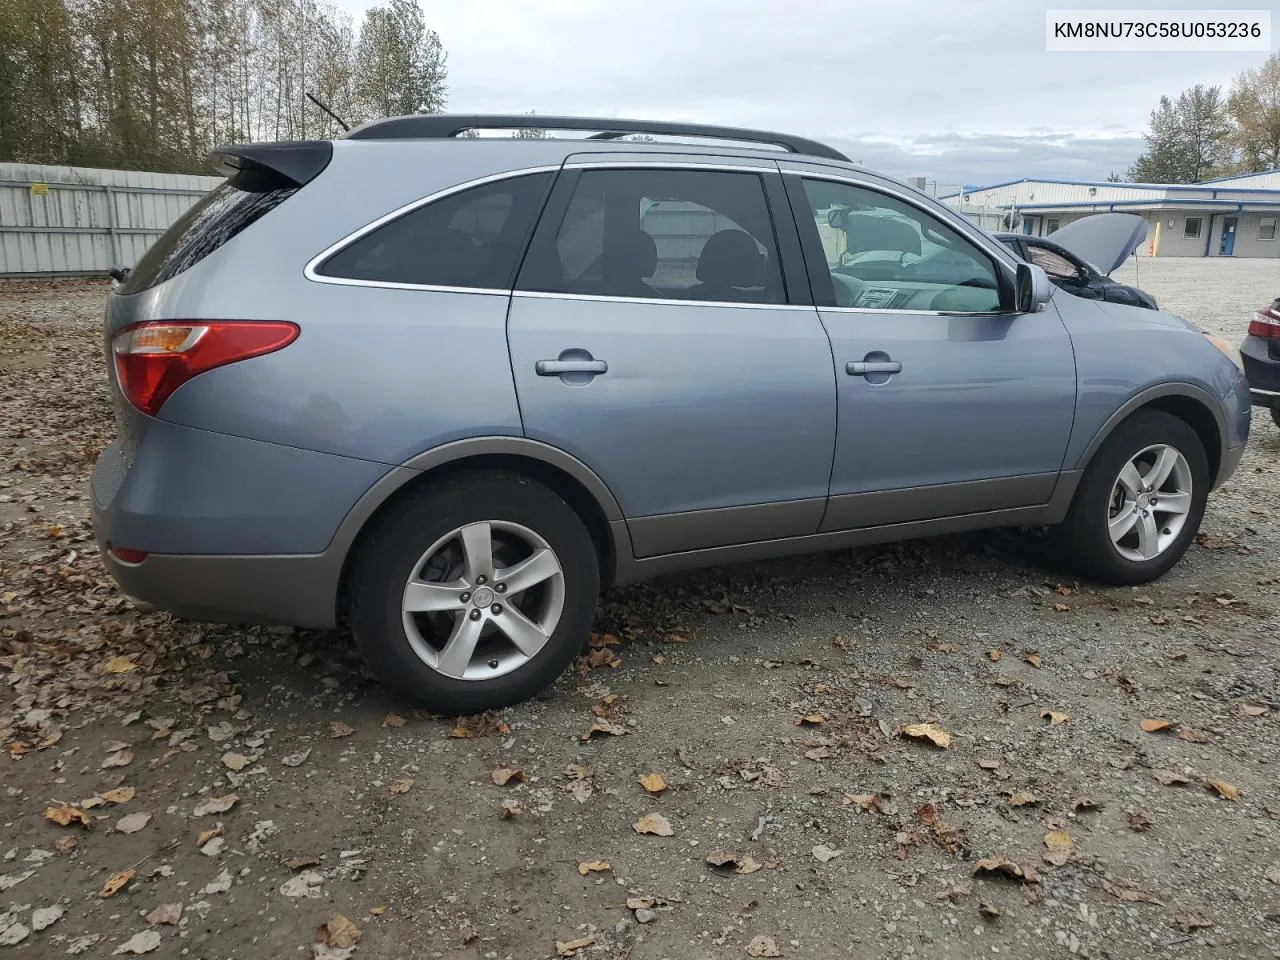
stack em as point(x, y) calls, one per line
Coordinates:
point(80, 221)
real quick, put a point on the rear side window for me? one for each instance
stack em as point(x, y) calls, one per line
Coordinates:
point(469, 239)
point(217, 217)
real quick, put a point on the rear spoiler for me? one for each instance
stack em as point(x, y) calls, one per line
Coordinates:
point(259, 167)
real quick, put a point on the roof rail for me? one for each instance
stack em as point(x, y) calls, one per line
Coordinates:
point(437, 126)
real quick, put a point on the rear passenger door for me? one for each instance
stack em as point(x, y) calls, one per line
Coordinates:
point(661, 331)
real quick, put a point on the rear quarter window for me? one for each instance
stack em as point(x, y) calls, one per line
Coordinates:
point(471, 239)
point(214, 219)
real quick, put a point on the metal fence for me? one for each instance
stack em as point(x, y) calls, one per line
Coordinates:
point(76, 221)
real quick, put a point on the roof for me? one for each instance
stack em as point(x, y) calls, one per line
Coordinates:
point(1117, 184)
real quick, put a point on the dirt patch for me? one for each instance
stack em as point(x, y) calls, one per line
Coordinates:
point(237, 793)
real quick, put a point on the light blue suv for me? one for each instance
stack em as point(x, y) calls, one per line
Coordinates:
point(444, 389)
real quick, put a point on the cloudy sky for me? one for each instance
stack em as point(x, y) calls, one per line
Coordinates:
point(960, 91)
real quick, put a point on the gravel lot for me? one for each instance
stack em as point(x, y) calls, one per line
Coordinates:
point(250, 793)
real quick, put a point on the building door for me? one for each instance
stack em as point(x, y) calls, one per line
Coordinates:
point(1228, 243)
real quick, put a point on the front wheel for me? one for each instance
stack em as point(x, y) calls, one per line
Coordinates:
point(1275, 413)
point(474, 594)
point(1140, 502)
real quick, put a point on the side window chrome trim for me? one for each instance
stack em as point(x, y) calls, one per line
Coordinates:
point(603, 298)
point(989, 245)
point(313, 265)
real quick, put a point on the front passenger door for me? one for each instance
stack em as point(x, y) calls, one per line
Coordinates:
point(949, 402)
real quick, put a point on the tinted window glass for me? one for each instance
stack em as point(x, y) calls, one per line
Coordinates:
point(668, 234)
point(217, 217)
point(884, 254)
point(469, 239)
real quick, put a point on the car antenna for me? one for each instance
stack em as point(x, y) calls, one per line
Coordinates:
point(342, 123)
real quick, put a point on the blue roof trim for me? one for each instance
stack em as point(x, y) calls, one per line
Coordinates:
point(1124, 185)
point(1229, 204)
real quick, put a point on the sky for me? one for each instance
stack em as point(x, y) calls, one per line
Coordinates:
point(958, 91)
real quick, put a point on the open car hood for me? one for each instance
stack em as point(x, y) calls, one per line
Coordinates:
point(1103, 240)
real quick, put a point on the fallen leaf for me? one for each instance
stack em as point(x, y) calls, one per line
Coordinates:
point(928, 731)
point(65, 814)
point(1253, 710)
point(988, 910)
point(121, 758)
point(65, 845)
point(168, 913)
point(1001, 864)
point(206, 835)
point(1057, 847)
point(296, 759)
point(1127, 892)
point(377, 911)
point(297, 863)
point(1225, 790)
point(810, 720)
point(510, 809)
point(1191, 736)
point(393, 720)
point(1189, 921)
point(401, 786)
point(820, 753)
point(604, 726)
point(602, 658)
point(1138, 821)
point(235, 761)
point(593, 866)
point(1085, 803)
point(1169, 778)
point(1061, 608)
point(503, 775)
point(653, 823)
point(653, 783)
point(763, 947)
point(459, 731)
point(1273, 875)
point(133, 822)
point(597, 640)
point(825, 854)
point(1022, 798)
point(215, 805)
point(143, 942)
point(741, 863)
point(1054, 717)
point(994, 656)
point(119, 665)
point(1033, 659)
point(339, 932)
point(118, 795)
point(115, 883)
point(13, 933)
point(641, 903)
point(338, 730)
point(46, 917)
point(1155, 726)
point(567, 948)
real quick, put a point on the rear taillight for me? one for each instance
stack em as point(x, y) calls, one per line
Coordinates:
point(1266, 324)
point(154, 359)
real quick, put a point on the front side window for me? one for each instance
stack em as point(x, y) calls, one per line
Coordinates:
point(469, 239)
point(1267, 228)
point(1191, 230)
point(1054, 264)
point(885, 254)
point(665, 234)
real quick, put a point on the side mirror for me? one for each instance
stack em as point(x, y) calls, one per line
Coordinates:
point(1031, 287)
point(837, 217)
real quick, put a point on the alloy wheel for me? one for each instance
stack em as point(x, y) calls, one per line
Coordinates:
point(1149, 502)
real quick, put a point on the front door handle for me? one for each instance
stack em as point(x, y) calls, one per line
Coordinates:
point(558, 368)
point(860, 368)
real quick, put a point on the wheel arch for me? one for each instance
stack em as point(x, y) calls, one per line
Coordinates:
point(573, 480)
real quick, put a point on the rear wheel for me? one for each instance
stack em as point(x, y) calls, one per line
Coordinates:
point(474, 594)
point(1140, 502)
point(1275, 414)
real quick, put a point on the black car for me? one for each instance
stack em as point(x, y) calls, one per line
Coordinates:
point(1260, 353)
point(1073, 274)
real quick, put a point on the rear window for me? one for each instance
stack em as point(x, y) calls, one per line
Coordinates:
point(217, 217)
point(471, 239)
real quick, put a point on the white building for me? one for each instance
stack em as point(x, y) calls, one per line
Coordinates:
point(1227, 217)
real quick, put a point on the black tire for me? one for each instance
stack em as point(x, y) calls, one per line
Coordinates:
point(1275, 414)
point(389, 550)
point(1084, 536)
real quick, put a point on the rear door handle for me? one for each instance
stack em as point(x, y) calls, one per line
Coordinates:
point(558, 368)
point(860, 368)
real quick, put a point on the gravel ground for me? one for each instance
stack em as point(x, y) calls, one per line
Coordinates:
point(250, 793)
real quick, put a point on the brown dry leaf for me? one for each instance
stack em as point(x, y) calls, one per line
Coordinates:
point(1006, 681)
point(658, 659)
point(603, 657)
point(604, 726)
point(377, 911)
point(459, 731)
point(593, 866)
point(1057, 847)
point(1191, 736)
point(204, 836)
point(1138, 821)
point(1061, 608)
point(928, 731)
point(653, 783)
point(865, 801)
point(66, 844)
point(235, 761)
point(1225, 790)
point(986, 763)
point(115, 883)
point(653, 823)
point(297, 863)
point(65, 814)
point(119, 665)
point(1253, 710)
point(510, 809)
point(400, 786)
point(1033, 659)
point(215, 805)
point(1054, 717)
point(338, 730)
point(810, 720)
point(1153, 725)
point(1189, 922)
point(763, 947)
point(741, 863)
point(1022, 798)
point(501, 776)
point(1127, 892)
point(167, 913)
point(994, 655)
point(598, 640)
point(1169, 778)
point(339, 933)
point(641, 903)
point(1085, 803)
point(820, 753)
point(118, 795)
point(568, 948)
point(988, 910)
point(121, 758)
point(1273, 875)
point(1001, 864)
point(393, 720)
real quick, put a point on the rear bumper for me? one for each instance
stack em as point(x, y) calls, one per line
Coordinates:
point(1262, 370)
